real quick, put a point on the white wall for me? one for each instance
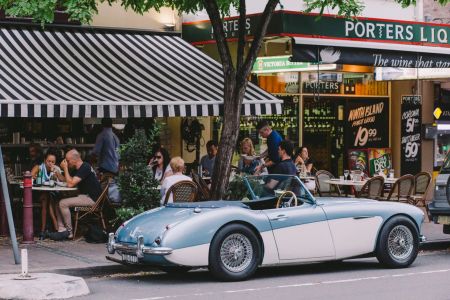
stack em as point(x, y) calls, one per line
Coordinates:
point(385, 9)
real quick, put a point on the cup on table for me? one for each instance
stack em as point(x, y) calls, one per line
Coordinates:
point(51, 183)
point(341, 178)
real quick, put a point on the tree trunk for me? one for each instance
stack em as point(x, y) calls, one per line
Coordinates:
point(233, 94)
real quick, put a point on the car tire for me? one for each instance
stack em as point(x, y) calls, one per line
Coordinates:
point(398, 243)
point(175, 270)
point(235, 253)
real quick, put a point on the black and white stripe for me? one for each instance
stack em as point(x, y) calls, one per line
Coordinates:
point(81, 73)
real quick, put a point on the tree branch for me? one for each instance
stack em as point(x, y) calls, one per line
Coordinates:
point(242, 34)
point(219, 34)
point(257, 39)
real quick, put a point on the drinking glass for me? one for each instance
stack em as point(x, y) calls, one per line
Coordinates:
point(391, 173)
point(346, 174)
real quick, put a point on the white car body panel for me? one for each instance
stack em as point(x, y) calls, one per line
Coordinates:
point(196, 256)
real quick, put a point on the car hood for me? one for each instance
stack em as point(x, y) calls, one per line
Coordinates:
point(153, 223)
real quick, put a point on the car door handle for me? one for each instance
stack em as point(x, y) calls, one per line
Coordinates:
point(279, 218)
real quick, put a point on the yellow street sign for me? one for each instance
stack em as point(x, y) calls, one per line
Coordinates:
point(437, 113)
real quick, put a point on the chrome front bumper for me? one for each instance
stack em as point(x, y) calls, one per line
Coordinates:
point(139, 249)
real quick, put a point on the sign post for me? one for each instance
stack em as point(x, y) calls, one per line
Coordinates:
point(411, 125)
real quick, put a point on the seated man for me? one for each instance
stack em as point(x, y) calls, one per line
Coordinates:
point(286, 166)
point(85, 179)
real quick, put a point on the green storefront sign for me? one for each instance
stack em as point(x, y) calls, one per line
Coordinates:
point(278, 64)
point(285, 23)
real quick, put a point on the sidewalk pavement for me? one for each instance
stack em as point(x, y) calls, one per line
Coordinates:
point(79, 258)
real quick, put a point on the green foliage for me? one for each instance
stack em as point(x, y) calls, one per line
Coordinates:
point(237, 190)
point(136, 184)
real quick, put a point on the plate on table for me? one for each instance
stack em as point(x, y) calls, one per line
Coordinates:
point(335, 179)
point(46, 183)
point(62, 184)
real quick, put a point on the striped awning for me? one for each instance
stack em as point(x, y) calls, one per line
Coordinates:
point(86, 72)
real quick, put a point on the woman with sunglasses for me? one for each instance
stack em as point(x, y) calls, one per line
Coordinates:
point(160, 164)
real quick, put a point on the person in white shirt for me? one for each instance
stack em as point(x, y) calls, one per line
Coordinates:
point(177, 166)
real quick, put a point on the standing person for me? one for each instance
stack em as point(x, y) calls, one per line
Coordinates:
point(248, 166)
point(286, 165)
point(160, 164)
point(273, 141)
point(303, 160)
point(177, 165)
point(207, 161)
point(85, 179)
point(106, 151)
point(48, 170)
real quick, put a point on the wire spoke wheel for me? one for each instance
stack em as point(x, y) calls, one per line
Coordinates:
point(400, 243)
point(236, 252)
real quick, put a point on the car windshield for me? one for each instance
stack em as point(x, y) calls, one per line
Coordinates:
point(270, 186)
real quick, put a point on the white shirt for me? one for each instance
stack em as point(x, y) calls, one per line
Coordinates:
point(168, 182)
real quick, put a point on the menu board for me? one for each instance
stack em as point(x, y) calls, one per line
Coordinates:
point(367, 123)
point(411, 126)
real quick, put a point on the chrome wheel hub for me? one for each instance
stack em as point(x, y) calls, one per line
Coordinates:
point(400, 243)
point(236, 252)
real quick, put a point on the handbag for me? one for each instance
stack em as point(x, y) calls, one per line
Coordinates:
point(114, 193)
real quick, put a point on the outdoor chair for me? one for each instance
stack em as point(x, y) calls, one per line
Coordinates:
point(202, 187)
point(401, 190)
point(326, 189)
point(183, 191)
point(95, 210)
point(372, 189)
point(422, 182)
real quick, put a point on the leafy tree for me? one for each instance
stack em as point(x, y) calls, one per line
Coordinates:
point(235, 75)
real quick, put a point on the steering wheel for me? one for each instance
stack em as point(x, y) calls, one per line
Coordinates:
point(293, 197)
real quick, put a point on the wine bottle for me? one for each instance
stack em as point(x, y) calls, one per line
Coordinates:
point(39, 178)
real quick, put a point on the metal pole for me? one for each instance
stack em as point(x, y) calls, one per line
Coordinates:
point(12, 231)
point(28, 231)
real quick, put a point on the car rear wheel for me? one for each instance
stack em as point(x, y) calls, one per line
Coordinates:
point(234, 253)
point(398, 243)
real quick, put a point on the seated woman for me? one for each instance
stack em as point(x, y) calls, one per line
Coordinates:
point(48, 170)
point(248, 166)
point(303, 160)
point(160, 164)
point(177, 166)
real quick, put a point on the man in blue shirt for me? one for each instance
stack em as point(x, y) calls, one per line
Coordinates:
point(273, 141)
point(106, 151)
point(207, 161)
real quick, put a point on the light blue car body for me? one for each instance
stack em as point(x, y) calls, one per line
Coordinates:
point(189, 225)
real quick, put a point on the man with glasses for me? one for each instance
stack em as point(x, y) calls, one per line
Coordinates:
point(273, 141)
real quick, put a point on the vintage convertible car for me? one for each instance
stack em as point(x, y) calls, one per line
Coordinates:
point(276, 222)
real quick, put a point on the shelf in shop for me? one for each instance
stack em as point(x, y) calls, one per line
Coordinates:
point(347, 95)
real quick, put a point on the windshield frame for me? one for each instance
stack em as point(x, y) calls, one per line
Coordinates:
point(309, 197)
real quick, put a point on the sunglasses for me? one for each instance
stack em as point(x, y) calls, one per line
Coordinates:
point(158, 157)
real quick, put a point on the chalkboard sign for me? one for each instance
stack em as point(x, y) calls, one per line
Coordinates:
point(411, 126)
point(367, 123)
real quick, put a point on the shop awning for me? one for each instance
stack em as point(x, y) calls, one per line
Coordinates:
point(368, 53)
point(86, 72)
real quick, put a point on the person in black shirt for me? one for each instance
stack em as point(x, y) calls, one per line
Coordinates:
point(88, 185)
point(286, 165)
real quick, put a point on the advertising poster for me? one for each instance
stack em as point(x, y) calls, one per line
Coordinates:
point(380, 159)
point(367, 123)
point(411, 126)
point(358, 160)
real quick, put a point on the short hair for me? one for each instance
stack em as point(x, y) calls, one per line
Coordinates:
point(211, 143)
point(287, 146)
point(49, 152)
point(107, 122)
point(250, 142)
point(261, 124)
point(74, 154)
point(177, 164)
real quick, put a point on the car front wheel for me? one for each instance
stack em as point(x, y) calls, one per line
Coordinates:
point(234, 253)
point(398, 243)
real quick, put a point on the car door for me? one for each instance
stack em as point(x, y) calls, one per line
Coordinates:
point(301, 232)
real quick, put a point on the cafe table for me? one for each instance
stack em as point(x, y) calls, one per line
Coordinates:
point(345, 182)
